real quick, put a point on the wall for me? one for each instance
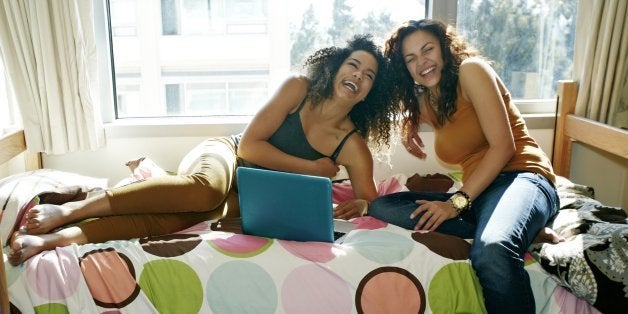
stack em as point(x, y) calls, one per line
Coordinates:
point(606, 173)
point(125, 142)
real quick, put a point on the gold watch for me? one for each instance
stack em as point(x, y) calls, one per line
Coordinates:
point(460, 201)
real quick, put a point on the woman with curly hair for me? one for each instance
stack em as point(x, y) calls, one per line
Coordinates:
point(311, 125)
point(508, 191)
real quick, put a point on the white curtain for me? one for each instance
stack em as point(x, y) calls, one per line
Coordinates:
point(600, 64)
point(49, 53)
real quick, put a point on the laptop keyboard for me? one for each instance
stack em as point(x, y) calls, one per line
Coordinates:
point(338, 235)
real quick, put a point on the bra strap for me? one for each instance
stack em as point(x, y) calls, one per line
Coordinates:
point(342, 143)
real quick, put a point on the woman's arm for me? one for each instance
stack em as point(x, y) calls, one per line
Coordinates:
point(357, 159)
point(480, 85)
point(254, 145)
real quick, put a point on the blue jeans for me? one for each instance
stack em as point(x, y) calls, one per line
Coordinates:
point(502, 221)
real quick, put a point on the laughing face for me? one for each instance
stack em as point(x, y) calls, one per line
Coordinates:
point(424, 60)
point(356, 76)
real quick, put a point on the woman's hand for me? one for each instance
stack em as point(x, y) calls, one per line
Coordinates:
point(351, 209)
point(434, 214)
point(325, 167)
point(413, 143)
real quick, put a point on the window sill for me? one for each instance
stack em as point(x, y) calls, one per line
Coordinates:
point(176, 127)
point(222, 126)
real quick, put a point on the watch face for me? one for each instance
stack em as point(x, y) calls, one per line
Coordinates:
point(459, 201)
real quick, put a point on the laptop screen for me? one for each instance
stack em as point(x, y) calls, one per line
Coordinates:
point(285, 205)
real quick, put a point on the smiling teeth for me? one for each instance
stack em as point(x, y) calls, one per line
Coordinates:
point(351, 86)
point(427, 71)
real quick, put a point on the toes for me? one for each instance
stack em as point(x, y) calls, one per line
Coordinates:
point(31, 226)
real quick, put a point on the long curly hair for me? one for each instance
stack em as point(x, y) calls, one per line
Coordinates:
point(454, 50)
point(372, 117)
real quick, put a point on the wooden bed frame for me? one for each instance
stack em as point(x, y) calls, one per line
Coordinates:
point(569, 128)
point(12, 145)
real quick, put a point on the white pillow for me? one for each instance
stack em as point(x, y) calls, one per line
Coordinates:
point(18, 190)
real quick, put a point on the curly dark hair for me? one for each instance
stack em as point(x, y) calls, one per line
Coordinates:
point(454, 50)
point(373, 116)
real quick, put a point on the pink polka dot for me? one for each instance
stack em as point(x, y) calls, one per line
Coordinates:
point(390, 290)
point(110, 277)
point(53, 274)
point(369, 223)
point(314, 289)
point(241, 245)
point(570, 303)
point(319, 252)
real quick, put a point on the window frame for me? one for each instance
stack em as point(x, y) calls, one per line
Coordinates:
point(445, 10)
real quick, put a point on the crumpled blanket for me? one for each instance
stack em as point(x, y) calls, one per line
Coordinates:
point(593, 260)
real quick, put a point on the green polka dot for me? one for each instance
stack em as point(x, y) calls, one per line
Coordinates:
point(52, 308)
point(172, 286)
point(241, 287)
point(453, 290)
point(381, 246)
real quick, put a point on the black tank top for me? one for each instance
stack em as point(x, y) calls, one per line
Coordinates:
point(290, 138)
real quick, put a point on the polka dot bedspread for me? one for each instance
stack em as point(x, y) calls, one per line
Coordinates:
point(380, 268)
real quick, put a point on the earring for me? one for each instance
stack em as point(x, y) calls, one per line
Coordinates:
point(418, 87)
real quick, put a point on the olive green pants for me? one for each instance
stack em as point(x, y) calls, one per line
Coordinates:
point(167, 204)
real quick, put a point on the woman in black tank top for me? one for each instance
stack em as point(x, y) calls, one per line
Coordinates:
point(312, 125)
point(316, 123)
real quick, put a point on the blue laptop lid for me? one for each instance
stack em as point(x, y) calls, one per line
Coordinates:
point(285, 205)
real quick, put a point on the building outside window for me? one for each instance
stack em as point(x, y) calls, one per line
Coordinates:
point(226, 57)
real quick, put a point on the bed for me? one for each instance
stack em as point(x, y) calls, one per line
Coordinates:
point(380, 268)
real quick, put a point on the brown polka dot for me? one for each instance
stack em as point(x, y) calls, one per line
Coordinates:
point(390, 290)
point(13, 309)
point(170, 245)
point(444, 245)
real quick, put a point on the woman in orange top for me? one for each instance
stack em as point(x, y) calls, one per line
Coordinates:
point(508, 191)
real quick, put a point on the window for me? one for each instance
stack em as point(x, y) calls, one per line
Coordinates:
point(531, 43)
point(226, 57)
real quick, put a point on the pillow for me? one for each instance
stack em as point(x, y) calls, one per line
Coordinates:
point(142, 168)
point(18, 190)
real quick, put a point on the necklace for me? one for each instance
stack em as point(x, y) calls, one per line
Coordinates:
point(431, 101)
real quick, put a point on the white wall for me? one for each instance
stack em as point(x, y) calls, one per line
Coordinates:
point(159, 143)
point(606, 173)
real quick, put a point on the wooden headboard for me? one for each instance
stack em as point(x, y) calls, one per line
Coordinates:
point(570, 128)
point(13, 144)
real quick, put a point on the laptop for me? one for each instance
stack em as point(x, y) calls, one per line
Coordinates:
point(288, 206)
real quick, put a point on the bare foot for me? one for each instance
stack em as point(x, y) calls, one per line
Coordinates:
point(43, 218)
point(23, 247)
point(548, 235)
